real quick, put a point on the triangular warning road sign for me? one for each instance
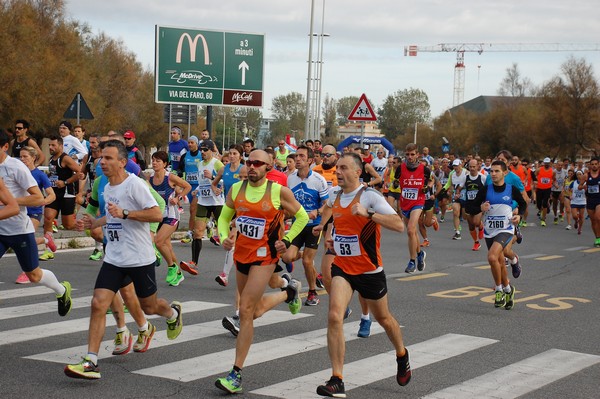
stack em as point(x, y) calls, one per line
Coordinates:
point(362, 111)
point(84, 110)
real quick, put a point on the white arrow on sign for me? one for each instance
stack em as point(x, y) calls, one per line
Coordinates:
point(244, 67)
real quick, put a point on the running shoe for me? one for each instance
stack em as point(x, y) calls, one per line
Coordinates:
point(47, 255)
point(364, 329)
point(287, 277)
point(347, 313)
point(518, 234)
point(179, 277)
point(144, 338)
point(425, 243)
point(421, 260)
point(412, 266)
point(54, 226)
point(555, 220)
point(231, 324)
point(232, 383)
point(215, 240)
point(562, 218)
point(190, 267)
point(436, 225)
point(523, 223)
point(334, 388)
point(84, 369)
point(293, 291)
point(442, 219)
point(568, 227)
point(516, 268)
point(158, 257)
point(50, 244)
point(597, 242)
point(476, 246)
point(221, 279)
point(22, 279)
point(319, 281)
point(174, 327)
point(500, 299)
point(64, 301)
point(404, 372)
point(186, 240)
point(456, 236)
point(123, 343)
point(510, 298)
point(96, 255)
point(312, 299)
point(171, 274)
point(543, 223)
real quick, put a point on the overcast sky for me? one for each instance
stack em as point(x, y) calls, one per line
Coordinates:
point(365, 50)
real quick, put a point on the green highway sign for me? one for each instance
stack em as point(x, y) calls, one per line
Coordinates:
point(208, 67)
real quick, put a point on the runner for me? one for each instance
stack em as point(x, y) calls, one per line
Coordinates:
point(427, 218)
point(358, 214)
point(258, 206)
point(172, 189)
point(414, 180)
point(560, 175)
point(496, 202)
point(592, 195)
point(455, 186)
point(545, 181)
point(16, 229)
point(578, 200)
point(473, 183)
point(177, 148)
point(188, 168)
point(22, 139)
point(129, 255)
point(36, 213)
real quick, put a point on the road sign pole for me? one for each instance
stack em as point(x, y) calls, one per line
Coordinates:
point(362, 135)
point(78, 107)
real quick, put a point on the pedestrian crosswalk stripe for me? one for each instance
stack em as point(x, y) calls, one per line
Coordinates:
point(189, 333)
point(40, 308)
point(375, 368)
point(422, 276)
point(78, 325)
point(522, 377)
point(25, 292)
point(575, 249)
point(220, 362)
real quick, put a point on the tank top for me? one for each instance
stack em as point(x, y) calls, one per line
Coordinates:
point(259, 225)
point(544, 178)
point(167, 192)
point(16, 149)
point(593, 188)
point(498, 217)
point(411, 186)
point(561, 176)
point(230, 177)
point(191, 167)
point(473, 185)
point(58, 172)
point(328, 174)
point(365, 177)
point(355, 239)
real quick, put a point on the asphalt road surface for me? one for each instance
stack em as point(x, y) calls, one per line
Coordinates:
point(460, 345)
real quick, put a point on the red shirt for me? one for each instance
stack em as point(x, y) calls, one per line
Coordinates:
point(277, 177)
point(411, 187)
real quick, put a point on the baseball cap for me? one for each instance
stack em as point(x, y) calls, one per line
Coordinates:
point(207, 144)
point(456, 162)
point(66, 124)
point(547, 160)
point(129, 134)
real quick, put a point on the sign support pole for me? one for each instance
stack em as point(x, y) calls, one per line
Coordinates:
point(78, 107)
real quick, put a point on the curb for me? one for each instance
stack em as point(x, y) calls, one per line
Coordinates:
point(89, 242)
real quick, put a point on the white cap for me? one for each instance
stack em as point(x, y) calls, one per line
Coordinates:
point(547, 160)
point(456, 162)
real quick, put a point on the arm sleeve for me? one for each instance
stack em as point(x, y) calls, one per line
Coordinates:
point(224, 221)
point(517, 196)
point(300, 221)
point(92, 207)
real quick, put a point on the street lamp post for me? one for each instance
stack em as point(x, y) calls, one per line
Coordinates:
point(314, 84)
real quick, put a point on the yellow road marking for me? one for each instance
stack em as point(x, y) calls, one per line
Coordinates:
point(422, 276)
point(482, 267)
point(589, 251)
point(550, 257)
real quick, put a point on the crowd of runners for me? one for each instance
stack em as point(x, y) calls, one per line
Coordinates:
point(270, 209)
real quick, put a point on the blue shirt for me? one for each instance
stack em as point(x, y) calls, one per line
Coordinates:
point(43, 183)
point(176, 150)
point(311, 192)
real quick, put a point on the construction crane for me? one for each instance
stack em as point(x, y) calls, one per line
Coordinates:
point(461, 48)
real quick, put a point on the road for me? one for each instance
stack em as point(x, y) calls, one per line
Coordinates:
point(461, 346)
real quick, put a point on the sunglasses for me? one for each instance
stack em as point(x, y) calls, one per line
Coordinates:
point(328, 155)
point(256, 164)
point(19, 128)
point(204, 149)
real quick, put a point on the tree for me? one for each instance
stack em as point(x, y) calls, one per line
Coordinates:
point(513, 85)
point(401, 110)
point(343, 108)
point(329, 120)
point(572, 105)
point(289, 111)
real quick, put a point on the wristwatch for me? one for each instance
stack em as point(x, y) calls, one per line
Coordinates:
point(371, 213)
point(125, 214)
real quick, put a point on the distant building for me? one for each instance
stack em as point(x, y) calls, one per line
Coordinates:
point(354, 129)
point(485, 104)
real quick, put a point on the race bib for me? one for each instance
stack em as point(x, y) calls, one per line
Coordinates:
point(204, 191)
point(545, 180)
point(251, 227)
point(346, 245)
point(593, 189)
point(410, 193)
point(191, 177)
point(113, 230)
point(53, 179)
point(496, 222)
point(471, 195)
